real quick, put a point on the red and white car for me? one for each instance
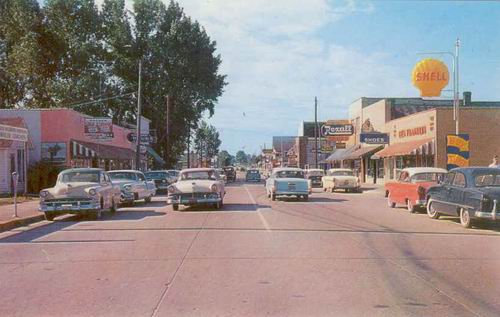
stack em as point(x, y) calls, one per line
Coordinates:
point(411, 187)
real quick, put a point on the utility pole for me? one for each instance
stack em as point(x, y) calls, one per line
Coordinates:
point(316, 130)
point(167, 154)
point(138, 149)
point(457, 88)
point(189, 154)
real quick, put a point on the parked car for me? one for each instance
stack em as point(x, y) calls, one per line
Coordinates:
point(230, 173)
point(410, 189)
point(161, 179)
point(197, 186)
point(253, 175)
point(173, 175)
point(134, 186)
point(341, 178)
point(80, 191)
point(315, 175)
point(468, 193)
point(288, 181)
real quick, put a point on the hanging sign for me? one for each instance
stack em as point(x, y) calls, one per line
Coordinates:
point(430, 76)
point(8, 132)
point(99, 128)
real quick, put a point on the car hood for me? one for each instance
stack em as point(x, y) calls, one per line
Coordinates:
point(194, 186)
point(291, 180)
point(74, 189)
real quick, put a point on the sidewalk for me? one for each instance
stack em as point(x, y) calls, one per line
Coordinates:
point(27, 213)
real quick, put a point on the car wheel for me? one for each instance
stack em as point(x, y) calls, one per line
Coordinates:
point(465, 219)
point(410, 207)
point(305, 197)
point(390, 203)
point(50, 216)
point(175, 207)
point(431, 211)
point(273, 197)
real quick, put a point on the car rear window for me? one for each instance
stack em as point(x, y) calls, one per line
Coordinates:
point(484, 180)
point(427, 177)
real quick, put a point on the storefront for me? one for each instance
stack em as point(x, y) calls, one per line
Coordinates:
point(13, 154)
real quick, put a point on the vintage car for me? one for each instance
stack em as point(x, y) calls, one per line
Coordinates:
point(230, 173)
point(315, 175)
point(134, 186)
point(410, 189)
point(197, 186)
point(288, 181)
point(253, 175)
point(341, 178)
point(173, 175)
point(468, 193)
point(80, 191)
point(161, 179)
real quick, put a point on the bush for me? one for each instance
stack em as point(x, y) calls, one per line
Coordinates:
point(42, 175)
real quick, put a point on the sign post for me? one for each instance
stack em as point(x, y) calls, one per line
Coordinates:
point(15, 178)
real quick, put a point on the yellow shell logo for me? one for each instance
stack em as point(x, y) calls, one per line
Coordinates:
point(430, 76)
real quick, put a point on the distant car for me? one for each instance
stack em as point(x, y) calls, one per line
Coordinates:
point(230, 173)
point(315, 175)
point(288, 182)
point(173, 175)
point(80, 191)
point(197, 186)
point(468, 193)
point(253, 175)
point(161, 179)
point(411, 187)
point(341, 178)
point(134, 186)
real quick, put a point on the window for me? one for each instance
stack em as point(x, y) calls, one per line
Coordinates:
point(486, 180)
point(102, 178)
point(427, 177)
point(20, 164)
point(449, 178)
point(459, 180)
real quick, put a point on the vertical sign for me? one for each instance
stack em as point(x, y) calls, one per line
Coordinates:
point(457, 150)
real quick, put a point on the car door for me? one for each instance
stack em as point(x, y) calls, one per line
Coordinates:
point(457, 191)
point(399, 191)
point(105, 190)
point(441, 194)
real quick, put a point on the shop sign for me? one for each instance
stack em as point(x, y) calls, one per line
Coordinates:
point(338, 138)
point(328, 130)
point(54, 151)
point(457, 150)
point(145, 138)
point(340, 145)
point(430, 76)
point(412, 132)
point(8, 132)
point(99, 128)
point(374, 138)
point(326, 148)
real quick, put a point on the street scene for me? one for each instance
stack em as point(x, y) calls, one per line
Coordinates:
point(247, 158)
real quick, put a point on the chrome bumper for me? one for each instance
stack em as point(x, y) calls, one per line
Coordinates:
point(188, 201)
point(73, 207)
point(294, 193)
point(493, 215)
point(126, 197)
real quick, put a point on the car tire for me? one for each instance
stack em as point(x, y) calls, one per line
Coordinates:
point(175, 207)
point(273, 197)
point(50, 216)
point(410, 207)
point(431, 212)
point(305, 198)
point(390, 203)
point(465, 219)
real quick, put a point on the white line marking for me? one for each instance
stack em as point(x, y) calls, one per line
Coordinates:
point(261, 216)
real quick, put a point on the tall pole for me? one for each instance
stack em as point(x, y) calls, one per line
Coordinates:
point(138, 149)
point(188, 150)
point(457, 92)
point(167, 156)
point(316, 131)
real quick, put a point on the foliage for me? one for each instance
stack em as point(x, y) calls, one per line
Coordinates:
point(225, 159)
point(241, 157)
point(67, 53)
point(207, 141)
point(42, 175)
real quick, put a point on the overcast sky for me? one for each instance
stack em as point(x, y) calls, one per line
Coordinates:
point(279, 54)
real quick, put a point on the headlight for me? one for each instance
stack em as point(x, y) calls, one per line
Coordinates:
point(214, 188)
point(44, 194)
point(127, 188)
point(171, 189)
point(92, 192)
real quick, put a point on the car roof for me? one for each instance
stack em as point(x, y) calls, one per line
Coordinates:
point(198, 169)
point(124, 171)
point(417, 170)
point(314, 170)
point(340, 169)
point(475, 169)
point(280, 169)
point(81, 169)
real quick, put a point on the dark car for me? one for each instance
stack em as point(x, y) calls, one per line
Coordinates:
point(230, 173)
point(160, 178)
point(253, 175)
point(469, 193)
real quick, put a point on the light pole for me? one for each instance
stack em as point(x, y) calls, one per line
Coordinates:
point(456, 93)
point(138, 148)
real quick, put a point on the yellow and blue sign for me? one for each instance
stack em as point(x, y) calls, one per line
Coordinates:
point(457, 150)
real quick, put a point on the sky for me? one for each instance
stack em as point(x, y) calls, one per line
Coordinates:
point(279, 54)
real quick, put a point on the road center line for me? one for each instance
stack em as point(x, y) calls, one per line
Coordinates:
point(261, 216)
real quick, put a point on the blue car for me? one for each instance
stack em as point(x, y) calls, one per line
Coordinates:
point(288, 182)
point(468, 193)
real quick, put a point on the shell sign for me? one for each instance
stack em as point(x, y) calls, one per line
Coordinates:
point(430, 76)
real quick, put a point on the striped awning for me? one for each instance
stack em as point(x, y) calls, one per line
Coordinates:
point(82, 149)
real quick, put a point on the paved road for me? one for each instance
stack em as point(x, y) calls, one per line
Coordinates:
point(336, 255)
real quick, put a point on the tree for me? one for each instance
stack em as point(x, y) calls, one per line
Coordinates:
point(207, 142)
point(225, 158)
point(241, 157)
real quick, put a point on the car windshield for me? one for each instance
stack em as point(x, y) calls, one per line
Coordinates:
point(290, 174)
point(228, 169)
point(252, 172)
point(342, 173)
point(488, 179)
point(427, 177)
point(123, 175)
point(173, 173)
point(81, 177)
point(198, 175)
point(156, 175)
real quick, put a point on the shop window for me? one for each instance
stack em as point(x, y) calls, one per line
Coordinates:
point(20, 164)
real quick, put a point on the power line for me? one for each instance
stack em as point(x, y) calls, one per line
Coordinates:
point(96, 101)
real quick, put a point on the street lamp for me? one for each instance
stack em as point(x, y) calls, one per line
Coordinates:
point(456, 97)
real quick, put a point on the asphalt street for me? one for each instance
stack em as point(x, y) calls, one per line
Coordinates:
point(339, 254)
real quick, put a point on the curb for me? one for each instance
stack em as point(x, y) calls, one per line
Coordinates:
point(14, 223)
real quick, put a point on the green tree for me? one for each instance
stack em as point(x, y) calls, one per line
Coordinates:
point(225, 158)
point(241, 157)
point(207, 141)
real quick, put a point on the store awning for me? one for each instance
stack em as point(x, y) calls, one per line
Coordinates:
point(363, 151)
point(424, 146)
point(340, 154)
point(155, 155)
point(82, 149)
